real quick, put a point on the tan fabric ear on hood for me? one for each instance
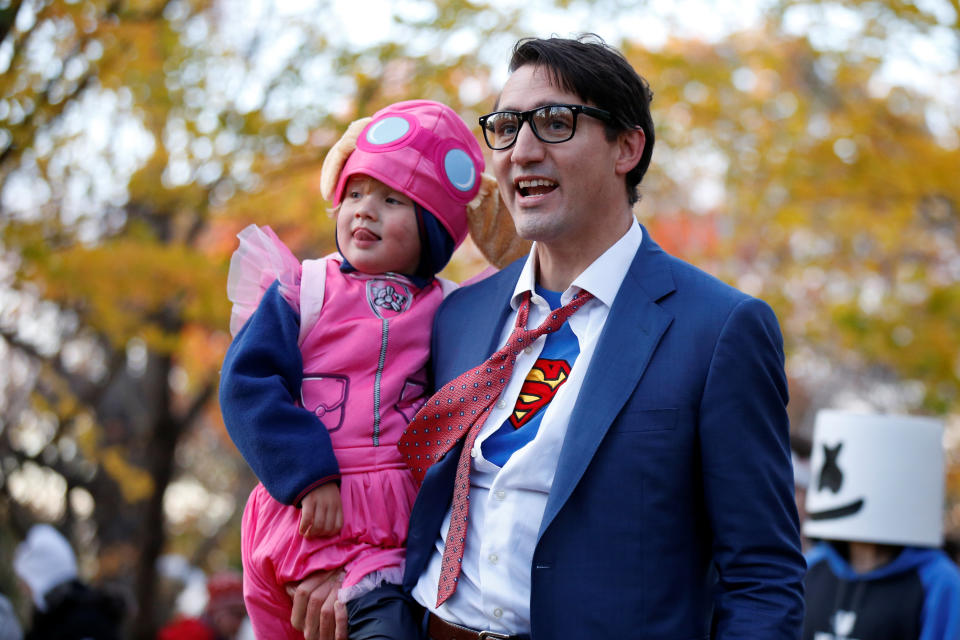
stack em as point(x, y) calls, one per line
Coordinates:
point(337, 157)
point(491, 226)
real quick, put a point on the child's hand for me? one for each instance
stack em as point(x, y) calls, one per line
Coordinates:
point(321, 512)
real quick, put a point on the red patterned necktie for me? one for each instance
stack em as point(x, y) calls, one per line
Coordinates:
point(460, 409)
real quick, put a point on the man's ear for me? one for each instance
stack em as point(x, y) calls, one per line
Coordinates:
point(630, 146)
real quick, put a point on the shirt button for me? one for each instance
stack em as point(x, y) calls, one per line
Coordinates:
point(528, 350)
point(494, 558)
point(500, 495)
point(497, 612)
point(473, 452)
point(501, 403)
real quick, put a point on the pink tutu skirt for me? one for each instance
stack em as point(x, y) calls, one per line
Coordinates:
point(260, 259)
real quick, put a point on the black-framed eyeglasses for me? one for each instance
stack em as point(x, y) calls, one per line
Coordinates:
point(552, 123)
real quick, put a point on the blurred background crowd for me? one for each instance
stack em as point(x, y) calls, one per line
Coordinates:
point(59, 603)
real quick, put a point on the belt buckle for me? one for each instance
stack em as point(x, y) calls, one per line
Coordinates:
point(492, 635)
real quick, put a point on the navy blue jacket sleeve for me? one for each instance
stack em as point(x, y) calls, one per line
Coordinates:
point(748, 484)
point(287, 446)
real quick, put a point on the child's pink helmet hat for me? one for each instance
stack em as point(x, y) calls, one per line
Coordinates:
point(419, 147)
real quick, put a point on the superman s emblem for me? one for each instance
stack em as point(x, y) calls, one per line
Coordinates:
point(542, 383)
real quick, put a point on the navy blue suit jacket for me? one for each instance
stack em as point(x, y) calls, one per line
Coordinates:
point(672, 512)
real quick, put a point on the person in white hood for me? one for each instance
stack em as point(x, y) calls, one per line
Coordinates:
point(64, 607)
point(43, 561)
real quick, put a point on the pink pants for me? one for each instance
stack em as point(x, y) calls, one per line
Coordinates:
point(276, 555)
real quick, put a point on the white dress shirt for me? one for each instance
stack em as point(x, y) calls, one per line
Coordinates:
point(507, 504)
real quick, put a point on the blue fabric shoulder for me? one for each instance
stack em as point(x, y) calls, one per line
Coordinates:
point(476, 310)
point(287, 447)
point(820, 552)
point(940, 577)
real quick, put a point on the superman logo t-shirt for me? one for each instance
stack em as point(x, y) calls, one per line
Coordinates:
point(546, 377)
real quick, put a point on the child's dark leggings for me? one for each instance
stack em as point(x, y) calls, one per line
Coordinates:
point(386, 613)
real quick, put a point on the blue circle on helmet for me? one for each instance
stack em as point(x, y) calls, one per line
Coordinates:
point(460, 169)
point(387, 130)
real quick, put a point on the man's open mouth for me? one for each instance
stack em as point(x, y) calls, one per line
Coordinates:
point(535, 187)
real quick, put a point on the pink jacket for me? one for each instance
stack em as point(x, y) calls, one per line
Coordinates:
point(364, 340)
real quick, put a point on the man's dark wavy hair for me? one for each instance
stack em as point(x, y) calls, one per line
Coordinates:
point(600, 75)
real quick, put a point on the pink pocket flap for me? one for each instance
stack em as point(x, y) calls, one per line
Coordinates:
point(326, 396)
point(412, 397)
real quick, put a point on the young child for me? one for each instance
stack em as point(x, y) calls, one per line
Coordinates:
point(328, 363)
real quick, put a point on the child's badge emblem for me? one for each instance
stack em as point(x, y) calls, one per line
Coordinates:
point(388, 298)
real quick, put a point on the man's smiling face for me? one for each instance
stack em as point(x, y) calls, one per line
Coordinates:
point(556, 193)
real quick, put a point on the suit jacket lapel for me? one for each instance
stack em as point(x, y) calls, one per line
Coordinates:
point(492, 306)
point(614, 371)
